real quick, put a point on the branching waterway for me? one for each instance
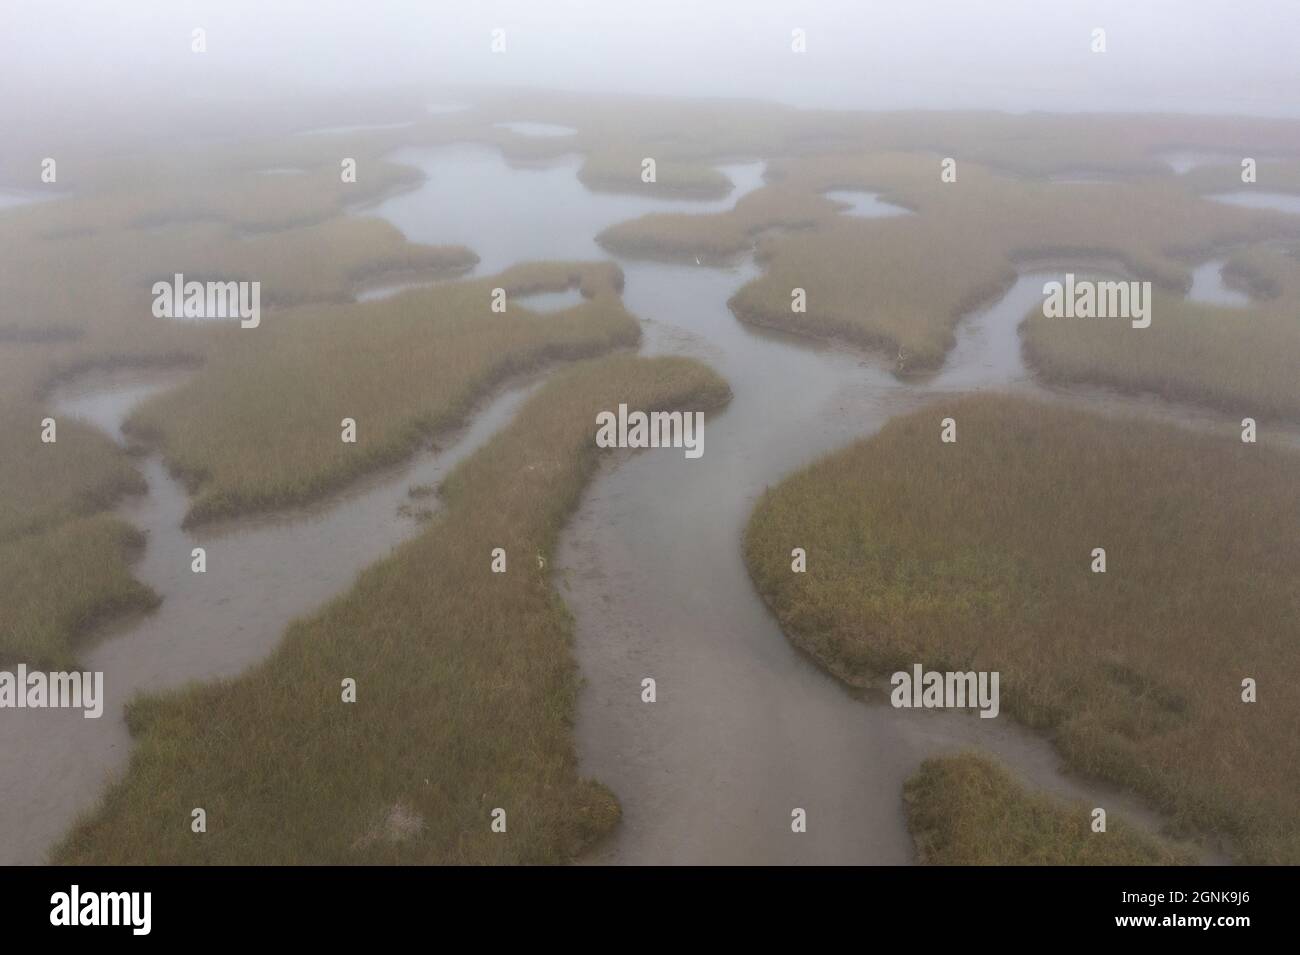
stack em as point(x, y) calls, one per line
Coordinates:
point(261, 574)
point(746, 727)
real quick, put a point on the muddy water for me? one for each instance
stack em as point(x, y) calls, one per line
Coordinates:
point(867, 205)
point(264, 572)
point(988, 354)
point(1209, 288)
point(261, 574)
point(746, 727)
point(510, 214)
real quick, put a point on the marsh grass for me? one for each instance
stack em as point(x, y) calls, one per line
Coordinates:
point(465, 683)
point(976, 555)
point(1241, 360)
point(93, 286)
point(260, 426)
point(904, 282)
point(75, 273)
point(619, 170)
point(46, 484)
point(968, 810)
point(147, 196)
point(1270, 176)
point(75, 278)
point(54, 587)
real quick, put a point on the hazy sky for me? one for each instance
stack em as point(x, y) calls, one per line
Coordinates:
point(1233, 56)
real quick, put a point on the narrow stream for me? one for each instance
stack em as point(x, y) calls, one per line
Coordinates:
point(866, 205)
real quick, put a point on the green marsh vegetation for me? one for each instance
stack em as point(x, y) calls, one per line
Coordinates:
point(93, 282)
point(1243, 360)
point(607, 170)
point(977, 556)
point(76, 273)
point(968, 810)
point(85, 267)
point(76, 276)
point(904, 282)
point(1270, 176)
point(55, 585)
point(901, 284)
point(1027, 146)
point(405, 368)
point(259, 426)
point(465, 684)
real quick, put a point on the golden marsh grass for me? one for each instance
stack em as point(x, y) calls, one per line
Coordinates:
point(903, 282)
point(260, 426)
point(465, 684)
point(968, 810)
point(977, 556)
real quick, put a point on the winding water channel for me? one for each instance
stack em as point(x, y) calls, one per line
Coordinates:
point(746, 727)
point(262, 573)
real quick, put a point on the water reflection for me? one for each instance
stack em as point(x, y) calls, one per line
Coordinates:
point(1274, 201)
point(867, 205)
point(506, 214)
point(1209, 288)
